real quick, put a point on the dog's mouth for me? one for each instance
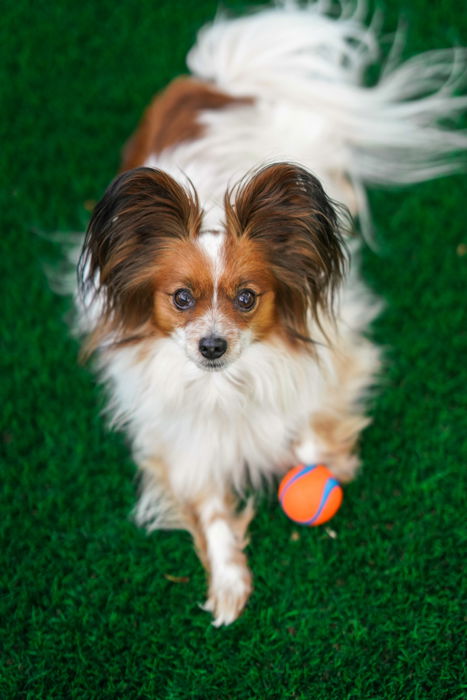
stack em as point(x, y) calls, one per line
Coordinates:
point(213, 365)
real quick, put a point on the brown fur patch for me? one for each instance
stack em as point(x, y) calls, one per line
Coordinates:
point(183, 264)
point(246, 267)
point(197, 532)
point(172, 117)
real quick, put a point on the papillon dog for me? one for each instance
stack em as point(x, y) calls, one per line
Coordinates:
point(218, 285)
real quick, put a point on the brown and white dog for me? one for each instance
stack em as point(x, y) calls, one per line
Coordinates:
point(218, 285)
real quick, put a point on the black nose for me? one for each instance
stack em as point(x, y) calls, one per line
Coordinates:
point(212, 347)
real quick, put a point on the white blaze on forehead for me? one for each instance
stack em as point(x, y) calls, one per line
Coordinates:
point(212, 243)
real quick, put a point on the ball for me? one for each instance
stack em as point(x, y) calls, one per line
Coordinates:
point(310, 494)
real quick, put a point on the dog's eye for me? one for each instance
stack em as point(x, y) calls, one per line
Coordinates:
point(245, 300)
point(183, 299)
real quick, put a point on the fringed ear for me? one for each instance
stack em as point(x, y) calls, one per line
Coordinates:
point(141, 213)
point(284, 208)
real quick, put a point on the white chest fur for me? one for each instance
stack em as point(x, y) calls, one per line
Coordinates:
point(231, 426)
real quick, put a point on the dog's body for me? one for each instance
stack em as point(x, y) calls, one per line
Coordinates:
point(215, 287)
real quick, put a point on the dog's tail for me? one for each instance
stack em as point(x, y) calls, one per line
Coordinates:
point(394, 131)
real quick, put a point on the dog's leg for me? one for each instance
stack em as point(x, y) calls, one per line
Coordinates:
point(332, 433)
point(332, 441)
point(220, 537)
point(219, 533)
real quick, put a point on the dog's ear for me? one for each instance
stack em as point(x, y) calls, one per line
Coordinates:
point(142, 211)
point(284, 209)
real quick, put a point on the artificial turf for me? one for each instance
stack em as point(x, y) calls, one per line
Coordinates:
point(92, 607)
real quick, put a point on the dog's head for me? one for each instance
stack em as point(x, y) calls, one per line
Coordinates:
point(268, 269)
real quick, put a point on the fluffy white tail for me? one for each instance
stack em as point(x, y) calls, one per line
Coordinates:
point(393, 132)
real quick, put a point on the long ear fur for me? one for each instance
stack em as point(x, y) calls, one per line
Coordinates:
point(142, 211)
point(285, 209)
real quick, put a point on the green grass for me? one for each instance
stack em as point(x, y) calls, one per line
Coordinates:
point(87, 610)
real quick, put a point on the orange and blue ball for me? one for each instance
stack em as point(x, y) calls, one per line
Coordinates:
point(310, 494)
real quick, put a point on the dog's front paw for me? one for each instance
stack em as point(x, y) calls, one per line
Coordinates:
point(228, 593)
point(344, 467)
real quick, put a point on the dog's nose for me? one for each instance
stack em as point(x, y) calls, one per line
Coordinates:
point(212, 347)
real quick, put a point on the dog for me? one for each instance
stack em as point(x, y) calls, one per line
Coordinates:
point(218, 280)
